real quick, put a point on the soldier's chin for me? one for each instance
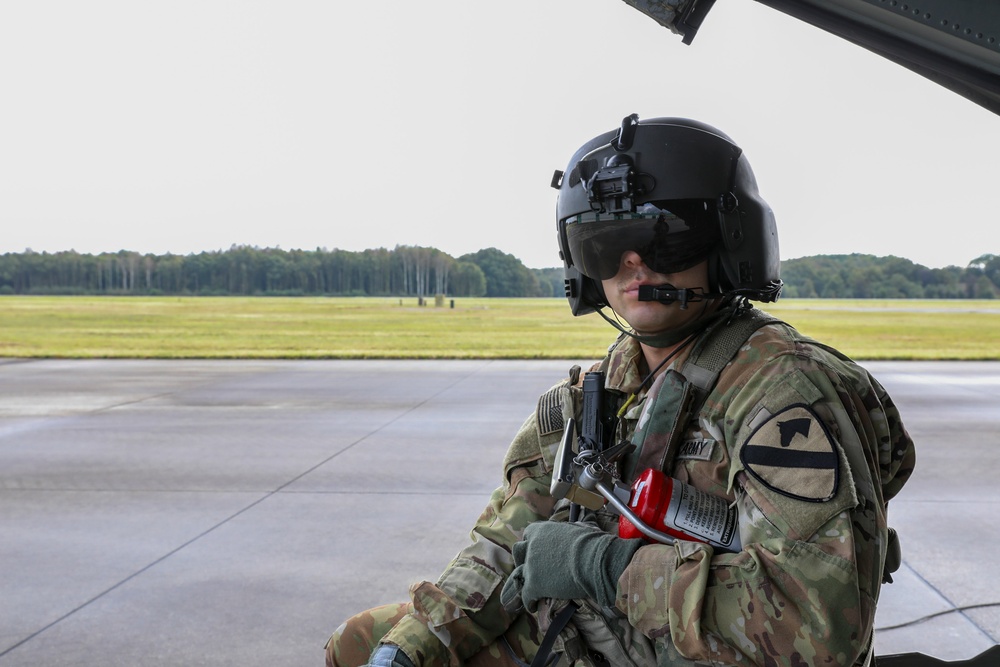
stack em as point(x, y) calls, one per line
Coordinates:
point(653, 318)
point(646, 328)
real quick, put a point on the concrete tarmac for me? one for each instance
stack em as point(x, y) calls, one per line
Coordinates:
point(235, 512)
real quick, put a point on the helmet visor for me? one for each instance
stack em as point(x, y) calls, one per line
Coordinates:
point(666, 242)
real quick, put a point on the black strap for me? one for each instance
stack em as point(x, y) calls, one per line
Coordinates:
point(542, 658)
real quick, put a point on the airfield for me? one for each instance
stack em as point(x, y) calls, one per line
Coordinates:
point(235, 512)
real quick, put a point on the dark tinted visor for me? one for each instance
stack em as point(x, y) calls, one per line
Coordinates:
point(665, 242)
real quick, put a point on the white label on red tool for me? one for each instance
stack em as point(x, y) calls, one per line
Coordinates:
point(702, 515)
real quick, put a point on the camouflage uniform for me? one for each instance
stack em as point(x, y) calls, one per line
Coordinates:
point(806, 444)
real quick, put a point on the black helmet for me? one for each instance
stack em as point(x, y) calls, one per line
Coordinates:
point(677, 192)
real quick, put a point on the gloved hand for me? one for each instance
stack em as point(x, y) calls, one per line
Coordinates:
point(566, 561)
point(388, 655)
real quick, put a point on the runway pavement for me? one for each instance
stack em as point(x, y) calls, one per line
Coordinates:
point(235, 512)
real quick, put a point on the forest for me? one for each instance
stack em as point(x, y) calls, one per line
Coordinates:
point(422, 271)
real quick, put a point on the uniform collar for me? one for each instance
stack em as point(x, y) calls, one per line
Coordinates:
point(626, 366)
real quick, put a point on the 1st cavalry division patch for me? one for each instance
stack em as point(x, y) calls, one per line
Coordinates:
point(793, 454)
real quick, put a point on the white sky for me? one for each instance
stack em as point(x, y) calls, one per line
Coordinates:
point(189, 126)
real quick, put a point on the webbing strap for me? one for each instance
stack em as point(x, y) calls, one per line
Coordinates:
point(719, 345)
point(545, 657)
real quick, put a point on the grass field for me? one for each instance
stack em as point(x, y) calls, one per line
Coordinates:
point(235, 327)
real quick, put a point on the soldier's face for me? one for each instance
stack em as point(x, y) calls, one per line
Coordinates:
point(651, 317)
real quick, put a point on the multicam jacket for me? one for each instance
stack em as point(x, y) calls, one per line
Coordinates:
point(806, 444)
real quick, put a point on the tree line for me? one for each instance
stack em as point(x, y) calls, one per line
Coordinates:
point(869, 277)
point(421, 271)
point(244, 270)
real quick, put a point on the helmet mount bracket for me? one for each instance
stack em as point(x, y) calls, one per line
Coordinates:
point(612, 189)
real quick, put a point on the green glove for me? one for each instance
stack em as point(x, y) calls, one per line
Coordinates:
point(566, 561)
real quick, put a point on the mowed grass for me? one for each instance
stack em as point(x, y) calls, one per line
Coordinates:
point(320, 328)
point(933, 329)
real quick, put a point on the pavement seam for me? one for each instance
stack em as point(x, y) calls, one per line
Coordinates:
point(133, 576)
point(260, 500)
point(955, 608)
point(380, 428)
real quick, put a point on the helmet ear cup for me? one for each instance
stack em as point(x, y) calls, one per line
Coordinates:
point(585, 295)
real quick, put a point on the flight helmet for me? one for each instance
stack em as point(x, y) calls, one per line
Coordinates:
point(676, 191)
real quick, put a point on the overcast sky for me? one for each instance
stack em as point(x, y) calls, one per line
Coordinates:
point(188, 126)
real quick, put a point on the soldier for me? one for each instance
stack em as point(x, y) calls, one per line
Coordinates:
point(661, 221)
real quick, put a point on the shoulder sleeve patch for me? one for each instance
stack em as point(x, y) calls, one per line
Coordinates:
point(793, 454)
point(550, 412)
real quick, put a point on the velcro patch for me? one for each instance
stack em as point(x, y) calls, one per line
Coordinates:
point(697, 450)
point(792, 453)
point(549, 414)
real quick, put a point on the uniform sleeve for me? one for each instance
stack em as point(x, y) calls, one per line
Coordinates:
point(460, 613)
point(815, 453)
